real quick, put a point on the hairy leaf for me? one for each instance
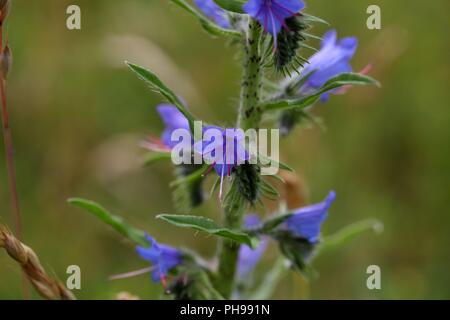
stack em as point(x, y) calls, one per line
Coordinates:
point(208, 25)
point(156, 84)
point(341, 80)
point(118, 224)
point(208, 226)
point(231, 5)
point(350, 232)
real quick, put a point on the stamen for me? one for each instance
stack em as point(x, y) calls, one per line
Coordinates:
point(130, 274)
point(221, 183)
point(209, 169)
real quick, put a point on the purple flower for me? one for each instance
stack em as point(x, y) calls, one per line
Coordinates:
point(224, 149)
point(331, 60)
point(162, 257)
point(173, 119)
point(214, 12)
point(305, 222)
point(272, 14)
point(248, 257)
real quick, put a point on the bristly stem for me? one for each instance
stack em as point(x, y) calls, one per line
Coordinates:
point(249, 112)
point(233, 209)
point(234, 205)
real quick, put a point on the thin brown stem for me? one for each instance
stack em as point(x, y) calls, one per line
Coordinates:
point(9, 153)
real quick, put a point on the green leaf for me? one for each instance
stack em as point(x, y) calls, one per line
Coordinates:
point(197, 174)
point(271, 279)
point(304, 45)
point(269, 190)
point(312, 36)
point(208, 226)
point(344, 79)
point(153, 157)
point(350, 232)
point(135, 235)
point(311, 18)
point(272, 162)
point(296, 84)
point(232, 5)
point(157, 85)
point(274, 222)
point(208, 25)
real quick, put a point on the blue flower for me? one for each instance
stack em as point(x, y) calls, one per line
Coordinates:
point(305, 222)
point(162, 257)
point(272, 14)
point(223, 148)
point(173, 119)
point(248, 257)
point(214, 12)
point(331, 60)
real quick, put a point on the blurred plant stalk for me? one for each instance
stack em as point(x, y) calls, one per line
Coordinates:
point(5, 65)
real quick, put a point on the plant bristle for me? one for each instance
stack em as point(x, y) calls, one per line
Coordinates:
point(289, 39)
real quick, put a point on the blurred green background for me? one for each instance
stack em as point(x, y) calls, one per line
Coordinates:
point(77, 115)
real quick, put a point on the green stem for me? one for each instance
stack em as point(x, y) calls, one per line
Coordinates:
point(234, 209)
point(249, 117)
point(249, 112)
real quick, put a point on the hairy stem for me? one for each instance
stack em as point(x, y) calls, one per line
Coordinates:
point(249, 117)
point(234, 209)
point(249, 112)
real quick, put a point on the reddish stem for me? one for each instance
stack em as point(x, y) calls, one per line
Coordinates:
point(9, 153)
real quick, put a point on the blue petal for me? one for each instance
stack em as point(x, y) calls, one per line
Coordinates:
point(214, 12)
point(271, 14)
point(249, 258)
point(305, 222)
point(329, 38)
point(251, 221)
point(332, 59)
point(252, 7)
point(173, 119)
point(162, 257)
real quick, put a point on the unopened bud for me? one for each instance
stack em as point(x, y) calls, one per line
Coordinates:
point(5, 61)
point(4, 9)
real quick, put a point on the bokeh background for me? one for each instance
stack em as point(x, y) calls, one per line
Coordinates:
point(78, 114)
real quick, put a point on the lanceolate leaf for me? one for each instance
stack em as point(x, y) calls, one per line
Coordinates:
point(208, 226)
point(231, 5)
point(274, 222)
point(208, 25)
point(153, 157)
point(341, 80)
point(311, 18)
point(156, 84)
point(135, 235)
point(269, 161)
point(271, 279)
point(350, 232)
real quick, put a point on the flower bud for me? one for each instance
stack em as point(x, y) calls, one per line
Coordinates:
point(5, 61)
